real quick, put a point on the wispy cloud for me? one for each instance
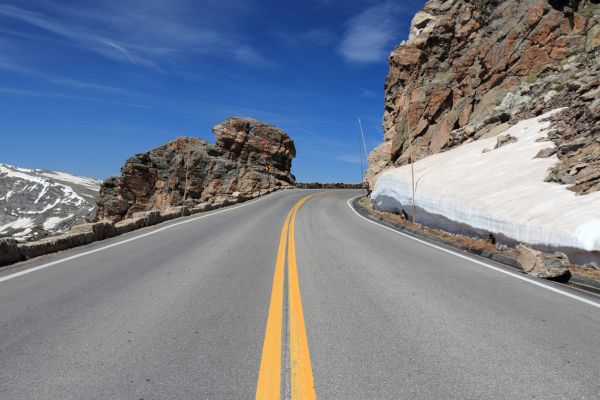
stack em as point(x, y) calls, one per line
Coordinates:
point(349, 158)
point(369, 94)
point(155, 34)
point(85, 38)
point(34, 93)
point(370, 34)
point(311, 37)
point(320, 36)
point(62, 81)
point(248, 55)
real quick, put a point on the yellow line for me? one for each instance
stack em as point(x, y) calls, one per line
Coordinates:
point(269, 376)
point(302, 384)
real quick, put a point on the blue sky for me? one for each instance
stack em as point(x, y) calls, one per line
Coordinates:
point(86, 84)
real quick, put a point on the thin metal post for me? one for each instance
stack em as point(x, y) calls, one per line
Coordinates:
point(412, 168)
point(362, 135)
point(362, 169)
point(364, 148)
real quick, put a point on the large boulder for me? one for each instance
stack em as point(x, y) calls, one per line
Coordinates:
point(554, 266)
point(249, 158)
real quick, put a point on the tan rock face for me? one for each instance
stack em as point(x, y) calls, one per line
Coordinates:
point(463, 58)
point(377, 161)
point(250, 158)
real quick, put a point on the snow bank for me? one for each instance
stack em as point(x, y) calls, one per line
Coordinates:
point(501, 191)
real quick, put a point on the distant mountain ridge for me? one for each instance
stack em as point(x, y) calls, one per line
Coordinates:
point(35, 203)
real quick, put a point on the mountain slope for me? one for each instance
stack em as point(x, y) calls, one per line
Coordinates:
point(35, 203)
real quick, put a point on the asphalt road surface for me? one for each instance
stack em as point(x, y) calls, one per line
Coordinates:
point(229, 305)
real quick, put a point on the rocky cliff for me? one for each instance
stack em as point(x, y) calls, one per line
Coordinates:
point(249, 159)
point(471, 69)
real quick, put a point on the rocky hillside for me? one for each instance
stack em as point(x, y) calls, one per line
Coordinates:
point(249, 159)
point(35, 203)
point(471, 69)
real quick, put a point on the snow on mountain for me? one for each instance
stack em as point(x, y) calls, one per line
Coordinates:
point(498, 190)
point(35, 203)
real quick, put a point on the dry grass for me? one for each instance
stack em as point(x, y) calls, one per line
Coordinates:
point(586, 272)
point(461, 241)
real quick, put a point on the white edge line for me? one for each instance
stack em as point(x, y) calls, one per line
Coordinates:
point(73, 257)
point(514, 275)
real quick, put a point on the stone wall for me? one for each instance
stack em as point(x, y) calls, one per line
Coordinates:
point(12, 251)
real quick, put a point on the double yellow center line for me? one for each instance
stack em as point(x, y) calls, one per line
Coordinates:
point(301, 377)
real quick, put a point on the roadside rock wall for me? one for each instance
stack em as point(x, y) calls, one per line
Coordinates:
point(12, 251)
point(328, 185)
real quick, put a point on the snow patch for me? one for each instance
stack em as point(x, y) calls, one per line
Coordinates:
point(46, 208)
point(500, 191)
point(7, 195)
point(77, 180)
point(52, 222)
point(22, 234)
point(21, 223)
point(71, 195)
point(15, 173)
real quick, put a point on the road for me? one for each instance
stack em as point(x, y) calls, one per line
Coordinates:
point(211, 309)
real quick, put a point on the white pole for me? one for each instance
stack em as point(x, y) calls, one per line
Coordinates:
point(362, 135)
point(362, 169)
point(364, 146)
point(412, 169)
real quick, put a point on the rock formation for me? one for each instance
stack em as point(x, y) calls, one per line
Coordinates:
point(249, 159)
point(554, 266)
point(471, 68)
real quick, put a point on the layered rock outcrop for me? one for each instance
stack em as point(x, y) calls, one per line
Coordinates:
point(471, 68)
point(249, 159)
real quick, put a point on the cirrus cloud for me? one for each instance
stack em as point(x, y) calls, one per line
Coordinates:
point(370, 34)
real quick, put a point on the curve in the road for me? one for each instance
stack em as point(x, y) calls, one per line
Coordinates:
point(484, 264)
point(182, 313)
